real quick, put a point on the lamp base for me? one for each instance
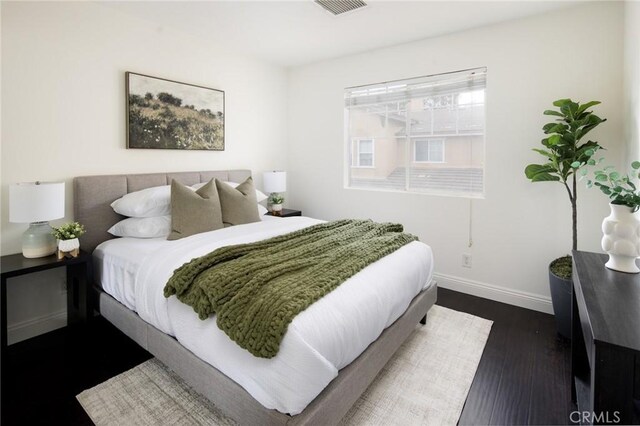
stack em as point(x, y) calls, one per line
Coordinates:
point(37, 241)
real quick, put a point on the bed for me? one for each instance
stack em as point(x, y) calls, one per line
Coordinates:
point(330, 375)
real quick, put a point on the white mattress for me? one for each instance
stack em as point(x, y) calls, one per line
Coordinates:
point(320, 341)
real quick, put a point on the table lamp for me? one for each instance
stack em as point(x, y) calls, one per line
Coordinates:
point(36, 203)
point(274, 182)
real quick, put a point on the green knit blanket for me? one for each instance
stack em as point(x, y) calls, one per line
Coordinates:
point(257, 289)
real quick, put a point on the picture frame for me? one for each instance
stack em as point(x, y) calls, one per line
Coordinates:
point(167, 114)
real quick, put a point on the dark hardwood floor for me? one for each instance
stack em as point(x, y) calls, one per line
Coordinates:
point(523, 377)
point(524, 374)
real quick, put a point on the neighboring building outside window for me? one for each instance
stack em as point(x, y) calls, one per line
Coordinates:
point(424, 135)
point(428, 150)
point(363, 153)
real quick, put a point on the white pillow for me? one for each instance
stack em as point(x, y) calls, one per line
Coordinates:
point(150, 202)
point(262, 210)
point(259, 194)
point(142, 227)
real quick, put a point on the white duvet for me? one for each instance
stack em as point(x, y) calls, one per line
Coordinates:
point(321, 340)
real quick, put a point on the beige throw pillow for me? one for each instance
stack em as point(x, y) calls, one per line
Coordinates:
point(193, 212)
point(239, 204)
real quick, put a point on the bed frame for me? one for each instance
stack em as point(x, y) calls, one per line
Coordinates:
point(92, 198)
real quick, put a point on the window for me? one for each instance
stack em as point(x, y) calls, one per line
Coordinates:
point(428, 134)
point(363, 153)
point(428, 150)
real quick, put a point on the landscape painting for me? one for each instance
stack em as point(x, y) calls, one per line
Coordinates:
point(165, 114)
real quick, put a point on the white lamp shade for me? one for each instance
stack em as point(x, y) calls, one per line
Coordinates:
point(275, 181)
point(36, 201)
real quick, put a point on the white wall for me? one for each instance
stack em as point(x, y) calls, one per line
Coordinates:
point(632, 79)
point(520, 227)
point(63, 113)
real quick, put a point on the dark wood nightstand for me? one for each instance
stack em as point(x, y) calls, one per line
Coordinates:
point(286, 213)
point(79, 278)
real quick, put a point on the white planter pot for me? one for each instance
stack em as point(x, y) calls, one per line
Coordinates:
point(276, 207)
point(621, 239)
point(70, 247)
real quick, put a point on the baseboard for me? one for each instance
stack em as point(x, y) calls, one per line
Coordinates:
point(32, 327)
point(493, 292)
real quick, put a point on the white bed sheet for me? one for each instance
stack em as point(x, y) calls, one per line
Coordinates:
point(320, 341)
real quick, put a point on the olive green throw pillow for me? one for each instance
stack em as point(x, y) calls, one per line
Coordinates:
point(193, 212)
point(239, 204)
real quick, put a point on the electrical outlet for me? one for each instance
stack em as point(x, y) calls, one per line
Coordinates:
point(466, 260)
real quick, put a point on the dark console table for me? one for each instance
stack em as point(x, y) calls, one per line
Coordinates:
point(605, 342)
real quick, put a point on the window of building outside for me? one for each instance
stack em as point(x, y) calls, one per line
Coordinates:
point(428, 150)
point(363, 153)
point(424, 135)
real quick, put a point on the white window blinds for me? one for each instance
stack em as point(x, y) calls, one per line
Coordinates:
point(429, 134)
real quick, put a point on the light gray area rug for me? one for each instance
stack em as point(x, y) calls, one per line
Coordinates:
point(426, 382)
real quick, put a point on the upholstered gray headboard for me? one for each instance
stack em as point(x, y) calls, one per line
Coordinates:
point(93, 195)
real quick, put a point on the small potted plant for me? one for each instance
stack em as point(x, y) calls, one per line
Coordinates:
point(620, 228)
point(276, 200)
point(67, 236)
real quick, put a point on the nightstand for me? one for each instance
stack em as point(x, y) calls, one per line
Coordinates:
point(79, 278)
point(286, 213)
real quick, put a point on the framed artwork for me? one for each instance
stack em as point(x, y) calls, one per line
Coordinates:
point(165, 114)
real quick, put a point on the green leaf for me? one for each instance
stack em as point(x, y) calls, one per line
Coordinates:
point(555, 128)
point(552, 112)
point(591, 162)
point(544, 177)
point(584, 172)
point(635, 165)
point(533, 169)
point(554, 140)
point(546, 153)
point(614, 175)
point(561, 102)
point(575, 164)
point(601, 177)
point(587, 105)
point(541, 172)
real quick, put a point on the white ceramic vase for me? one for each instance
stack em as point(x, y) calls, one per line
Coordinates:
point(621, 239)
point(276, 207)
point(68, 245)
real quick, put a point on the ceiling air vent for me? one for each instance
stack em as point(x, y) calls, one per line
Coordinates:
point(338, 7)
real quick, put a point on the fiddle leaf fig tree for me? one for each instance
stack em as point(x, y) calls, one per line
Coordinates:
point(564, 150)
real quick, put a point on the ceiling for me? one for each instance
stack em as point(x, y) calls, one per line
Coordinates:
point(291, 33)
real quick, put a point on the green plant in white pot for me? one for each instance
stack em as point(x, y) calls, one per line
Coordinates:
point(566, 153)
point(620, 229)
point(67, 236)
point(275, 201)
